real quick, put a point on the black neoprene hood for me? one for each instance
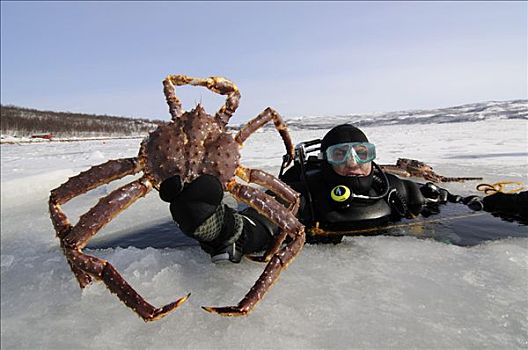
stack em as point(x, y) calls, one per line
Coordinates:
point(341, 134)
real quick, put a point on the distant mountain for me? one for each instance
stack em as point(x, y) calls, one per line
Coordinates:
point(515, 109)
point(25, 122)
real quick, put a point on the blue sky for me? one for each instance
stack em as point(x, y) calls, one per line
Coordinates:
point(301, 58)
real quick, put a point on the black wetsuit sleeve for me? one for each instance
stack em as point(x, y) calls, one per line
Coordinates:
point(258, 231)
point(407, 201)
point(415, 199)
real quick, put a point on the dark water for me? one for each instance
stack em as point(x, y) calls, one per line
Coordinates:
point(460, 226)
point(456, 224)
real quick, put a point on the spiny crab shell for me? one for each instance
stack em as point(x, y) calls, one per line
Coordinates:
point(192, 144)
point(202, 147)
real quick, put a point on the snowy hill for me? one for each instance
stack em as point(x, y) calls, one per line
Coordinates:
point(515, 109)
point(24, 122)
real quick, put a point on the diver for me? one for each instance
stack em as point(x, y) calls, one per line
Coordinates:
point(342, 191)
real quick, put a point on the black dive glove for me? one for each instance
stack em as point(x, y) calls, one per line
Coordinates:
point(191, 205)
point(508, 205)
point(198, 210)
point(436, 195)
point(221, 231)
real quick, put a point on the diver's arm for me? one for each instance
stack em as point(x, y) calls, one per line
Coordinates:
point(405, 198)
point(416, 201)
point(436, 195)
point(413, 198)
point(508, 205)
point(222, 232)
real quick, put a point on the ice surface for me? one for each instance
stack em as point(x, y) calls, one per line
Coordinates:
point(368, 292)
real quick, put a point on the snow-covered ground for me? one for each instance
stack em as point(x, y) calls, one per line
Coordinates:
point(368, 292)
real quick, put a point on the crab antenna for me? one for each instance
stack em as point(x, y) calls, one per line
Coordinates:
point(219, 85)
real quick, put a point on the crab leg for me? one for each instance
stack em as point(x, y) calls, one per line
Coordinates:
point(427, 175)
point(94, 177)
point(219, 85)
point(269, 181)
point(412, 167)
point(104, 271)
point(104, 211)
point(86, 267)
point(271, 209)
point(79, 184)
point(261, 119)
point(278, 187)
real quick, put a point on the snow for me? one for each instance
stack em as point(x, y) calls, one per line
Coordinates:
point(368, 292)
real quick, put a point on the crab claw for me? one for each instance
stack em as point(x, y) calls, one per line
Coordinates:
point(227, 310)
point(163, 311)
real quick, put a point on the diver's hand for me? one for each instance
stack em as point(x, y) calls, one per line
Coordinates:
point(198, 210)
point(191, 204)
point(510, 203)
point(170, 188)
point(474, 203)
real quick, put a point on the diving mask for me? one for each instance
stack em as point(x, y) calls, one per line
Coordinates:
point(363, 152)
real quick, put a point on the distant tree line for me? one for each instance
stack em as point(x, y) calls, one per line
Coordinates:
point(24, 122)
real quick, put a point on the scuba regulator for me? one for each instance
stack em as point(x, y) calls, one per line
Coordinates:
point(343, 196)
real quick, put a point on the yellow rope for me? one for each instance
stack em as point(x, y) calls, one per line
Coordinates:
point(501, 187)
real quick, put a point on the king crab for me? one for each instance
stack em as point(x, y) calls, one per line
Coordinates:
point(191, 144)
point(411, 167)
